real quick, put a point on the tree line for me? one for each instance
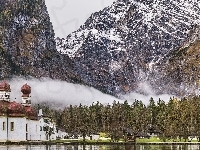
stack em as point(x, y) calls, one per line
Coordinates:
point(177, 118)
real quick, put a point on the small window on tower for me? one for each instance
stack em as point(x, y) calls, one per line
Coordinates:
point(4, 125)
point(12, 126)
point(26, 127)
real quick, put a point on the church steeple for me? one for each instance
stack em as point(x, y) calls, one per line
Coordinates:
point(26, 90)
point(5, 91)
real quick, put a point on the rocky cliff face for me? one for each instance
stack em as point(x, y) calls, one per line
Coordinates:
point(27, 44)
point(183, 66)
point(124, 46)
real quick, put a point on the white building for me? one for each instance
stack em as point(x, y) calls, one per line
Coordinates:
point(90, 137)
point(47, 129)
point(20, 122)
point(61, 134)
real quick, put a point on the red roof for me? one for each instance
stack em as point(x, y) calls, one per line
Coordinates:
point(14, 109)
point(30, 113)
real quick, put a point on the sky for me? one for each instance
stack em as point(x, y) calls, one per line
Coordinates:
point(68, 15)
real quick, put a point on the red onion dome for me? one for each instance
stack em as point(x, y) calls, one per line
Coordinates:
point(15, 109)
point(30, 113)
point(26, 90)
point(4, 86)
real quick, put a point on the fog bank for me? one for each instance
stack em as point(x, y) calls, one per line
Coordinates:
point(62, 94)
point(58, 92)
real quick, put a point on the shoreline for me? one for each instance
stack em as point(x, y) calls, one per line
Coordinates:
point(95, 143)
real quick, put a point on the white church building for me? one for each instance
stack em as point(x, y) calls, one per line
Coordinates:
point(21, 122)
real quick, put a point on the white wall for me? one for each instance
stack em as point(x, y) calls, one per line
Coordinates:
point(33, 130)
point(53, 134)
point(95, 136)
point(3, 136)
point(19, 132)
point(42, 133)
point(61, 134)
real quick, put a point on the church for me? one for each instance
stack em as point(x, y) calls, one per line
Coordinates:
point(21, 122)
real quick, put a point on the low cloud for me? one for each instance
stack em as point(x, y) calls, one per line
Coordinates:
point(148, 92)
point(62, 94)
point(58, 92)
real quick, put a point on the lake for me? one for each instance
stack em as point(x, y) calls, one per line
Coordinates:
point(100, 147)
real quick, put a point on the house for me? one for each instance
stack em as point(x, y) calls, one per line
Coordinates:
point(20, 122)
point(90, 137)
point(47, 127)
point(153, 131)
point(61, 134)
point(128, 134)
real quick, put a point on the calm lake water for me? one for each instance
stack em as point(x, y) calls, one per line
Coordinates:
point(102, 147)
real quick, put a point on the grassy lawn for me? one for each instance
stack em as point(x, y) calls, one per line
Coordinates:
point(138, 140)
point(156, 139)
point(80, 141)
point(146, 140)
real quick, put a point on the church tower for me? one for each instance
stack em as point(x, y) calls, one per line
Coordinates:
point(26, 90)
point(4, 91)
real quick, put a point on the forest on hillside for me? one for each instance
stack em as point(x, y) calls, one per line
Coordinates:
point(178, 118)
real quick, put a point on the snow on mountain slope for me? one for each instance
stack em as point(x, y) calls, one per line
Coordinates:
point(121, 46)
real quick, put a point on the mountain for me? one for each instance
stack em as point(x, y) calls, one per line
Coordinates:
point(150, 46)
point(123, 47)
point(183, 66)
point(27, 42)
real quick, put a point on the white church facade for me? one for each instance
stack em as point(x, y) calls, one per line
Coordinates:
point(21, 122)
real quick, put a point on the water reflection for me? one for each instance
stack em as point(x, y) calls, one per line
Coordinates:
point(100, 147)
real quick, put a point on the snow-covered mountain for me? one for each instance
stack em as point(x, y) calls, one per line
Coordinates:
point(143, 46)
point(123, 47)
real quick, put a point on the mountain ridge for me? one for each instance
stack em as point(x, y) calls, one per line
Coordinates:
point(27, 42)
point(130, 46)
point(125, 44)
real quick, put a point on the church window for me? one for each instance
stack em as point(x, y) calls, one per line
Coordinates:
point(12, 126)
point(4, 125)
point(26, 127)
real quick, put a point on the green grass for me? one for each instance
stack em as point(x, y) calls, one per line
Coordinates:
point(146, 140)
point(66, 140)
point(138, 140)
point(102, 134)
point(80, 141)
point(157, 139)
